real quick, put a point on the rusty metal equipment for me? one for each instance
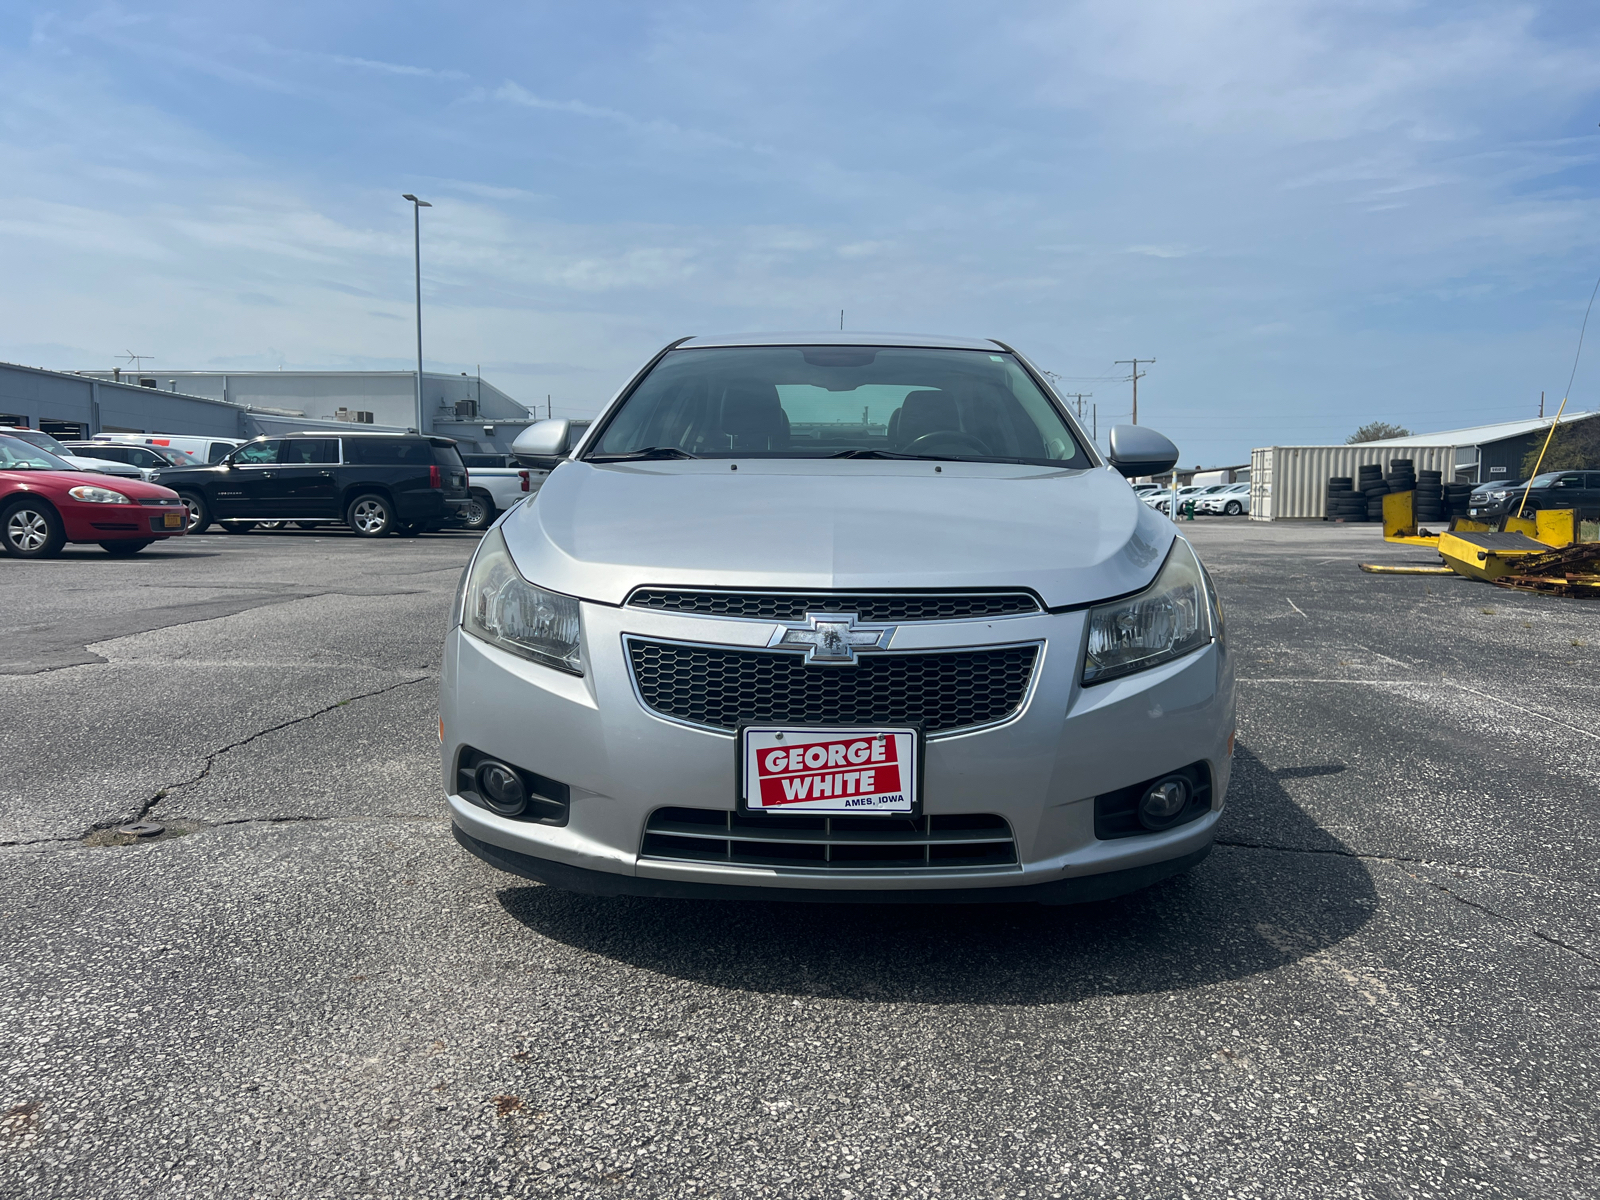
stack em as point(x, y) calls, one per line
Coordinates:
point(1570, 571)
point(1550, 551)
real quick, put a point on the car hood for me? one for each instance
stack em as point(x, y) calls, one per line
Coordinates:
point(133, 489)
point(1074, 537)
point(104, 466)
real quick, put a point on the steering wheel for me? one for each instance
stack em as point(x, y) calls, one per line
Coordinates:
point(949, 440)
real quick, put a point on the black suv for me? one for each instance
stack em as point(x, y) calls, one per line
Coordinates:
point(377, 483)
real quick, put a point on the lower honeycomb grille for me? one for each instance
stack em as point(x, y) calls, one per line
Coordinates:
point(945, 689)
point(816, 843)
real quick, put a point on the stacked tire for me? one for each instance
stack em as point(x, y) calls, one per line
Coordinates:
point(1457, 498)
point(1369, 482)
point(1344, 502)
point(1429, 500)
point(1402, 475)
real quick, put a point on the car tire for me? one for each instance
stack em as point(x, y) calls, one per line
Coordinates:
point(272, 526)
point(410, 529)
point(370, 516)
point(124, 548)
point(199, 511)
point(479, 514)
point(31, 528)
point(1233, 508)
point(237, 526)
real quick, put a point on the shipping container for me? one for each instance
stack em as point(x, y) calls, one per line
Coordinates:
point(1290, 483)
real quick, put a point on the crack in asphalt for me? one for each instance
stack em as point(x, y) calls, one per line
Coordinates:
point(1341, 853)
point(1509, 920)
point(202, 826)
point(38, 842)
point(211, 759)
point(254, 597)
point(1532, 712)
point(1424, 862)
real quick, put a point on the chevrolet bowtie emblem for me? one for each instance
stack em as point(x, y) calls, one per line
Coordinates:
point(832, 639)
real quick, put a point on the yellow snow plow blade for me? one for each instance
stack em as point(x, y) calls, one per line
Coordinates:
point(1486, 555)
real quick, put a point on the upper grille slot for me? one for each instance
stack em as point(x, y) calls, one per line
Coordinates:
point(718, 687)
point(868, 606)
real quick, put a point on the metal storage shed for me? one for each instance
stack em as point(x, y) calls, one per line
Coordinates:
point(1290, 483)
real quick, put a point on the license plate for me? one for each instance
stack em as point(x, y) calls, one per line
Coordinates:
point(173, 520)
point(834, 770)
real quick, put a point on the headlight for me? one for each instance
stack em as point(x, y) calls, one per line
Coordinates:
point(1167, 620)
point(97, 495)
point(505, 609)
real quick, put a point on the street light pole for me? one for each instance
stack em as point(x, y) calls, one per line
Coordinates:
point(416, 240)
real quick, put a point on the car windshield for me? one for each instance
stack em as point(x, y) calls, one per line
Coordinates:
point(16, 453)
point(839, 402)
point(178, 458)
point(42, 440)
point(1546, 479)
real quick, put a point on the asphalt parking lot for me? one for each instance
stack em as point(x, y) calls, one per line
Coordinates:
point(1385, 982)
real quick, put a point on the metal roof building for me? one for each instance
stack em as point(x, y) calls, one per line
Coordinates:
point(1486, 452)
point(1290, 482)
point(245, 404)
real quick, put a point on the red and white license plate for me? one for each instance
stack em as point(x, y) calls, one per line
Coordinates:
point(834, 770)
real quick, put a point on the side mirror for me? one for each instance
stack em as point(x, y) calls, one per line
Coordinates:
point(543, 440)
point(1136, 450)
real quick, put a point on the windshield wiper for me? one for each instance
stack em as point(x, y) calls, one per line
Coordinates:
point(892, 454)
point(640, 455)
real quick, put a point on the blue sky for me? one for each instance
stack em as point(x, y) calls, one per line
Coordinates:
point(1311, 214)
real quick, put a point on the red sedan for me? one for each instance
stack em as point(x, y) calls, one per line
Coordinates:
point(45, 503)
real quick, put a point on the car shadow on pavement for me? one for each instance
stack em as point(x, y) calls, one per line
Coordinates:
point(1277, 888)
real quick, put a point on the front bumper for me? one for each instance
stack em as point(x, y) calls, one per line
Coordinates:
point(1040, 770)
point(121, 522)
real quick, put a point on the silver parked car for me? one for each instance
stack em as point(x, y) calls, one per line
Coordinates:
point(838, 617)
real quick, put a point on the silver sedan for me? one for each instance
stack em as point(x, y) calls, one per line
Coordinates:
point(838, 617)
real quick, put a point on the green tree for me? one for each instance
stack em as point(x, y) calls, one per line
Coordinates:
point(1575, 447)
point(1376, 431)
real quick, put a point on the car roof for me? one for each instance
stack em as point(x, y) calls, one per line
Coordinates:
point(839, 338)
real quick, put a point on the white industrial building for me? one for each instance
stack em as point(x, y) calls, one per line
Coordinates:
point(247, 403)
point(1291, 482)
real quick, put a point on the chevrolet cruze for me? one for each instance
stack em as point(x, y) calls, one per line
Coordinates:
point(838, 617)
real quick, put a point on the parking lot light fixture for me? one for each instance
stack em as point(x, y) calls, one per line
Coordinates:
point(416, 244)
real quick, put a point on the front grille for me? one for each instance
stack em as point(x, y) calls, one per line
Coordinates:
point(944, 689)
point(793, 606)
point(830, 843)
point(159, 500)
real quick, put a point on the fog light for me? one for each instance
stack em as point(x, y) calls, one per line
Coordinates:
point(502, 789)
point(1163, 802)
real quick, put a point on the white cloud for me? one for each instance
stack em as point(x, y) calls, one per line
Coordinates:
point(1310, 212)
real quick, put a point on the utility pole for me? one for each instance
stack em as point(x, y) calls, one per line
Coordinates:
point(1094, 436)
point(1136, 377)
point(1079, 397)
point(416, 239)
point(841, 320)
point(1541, 406)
